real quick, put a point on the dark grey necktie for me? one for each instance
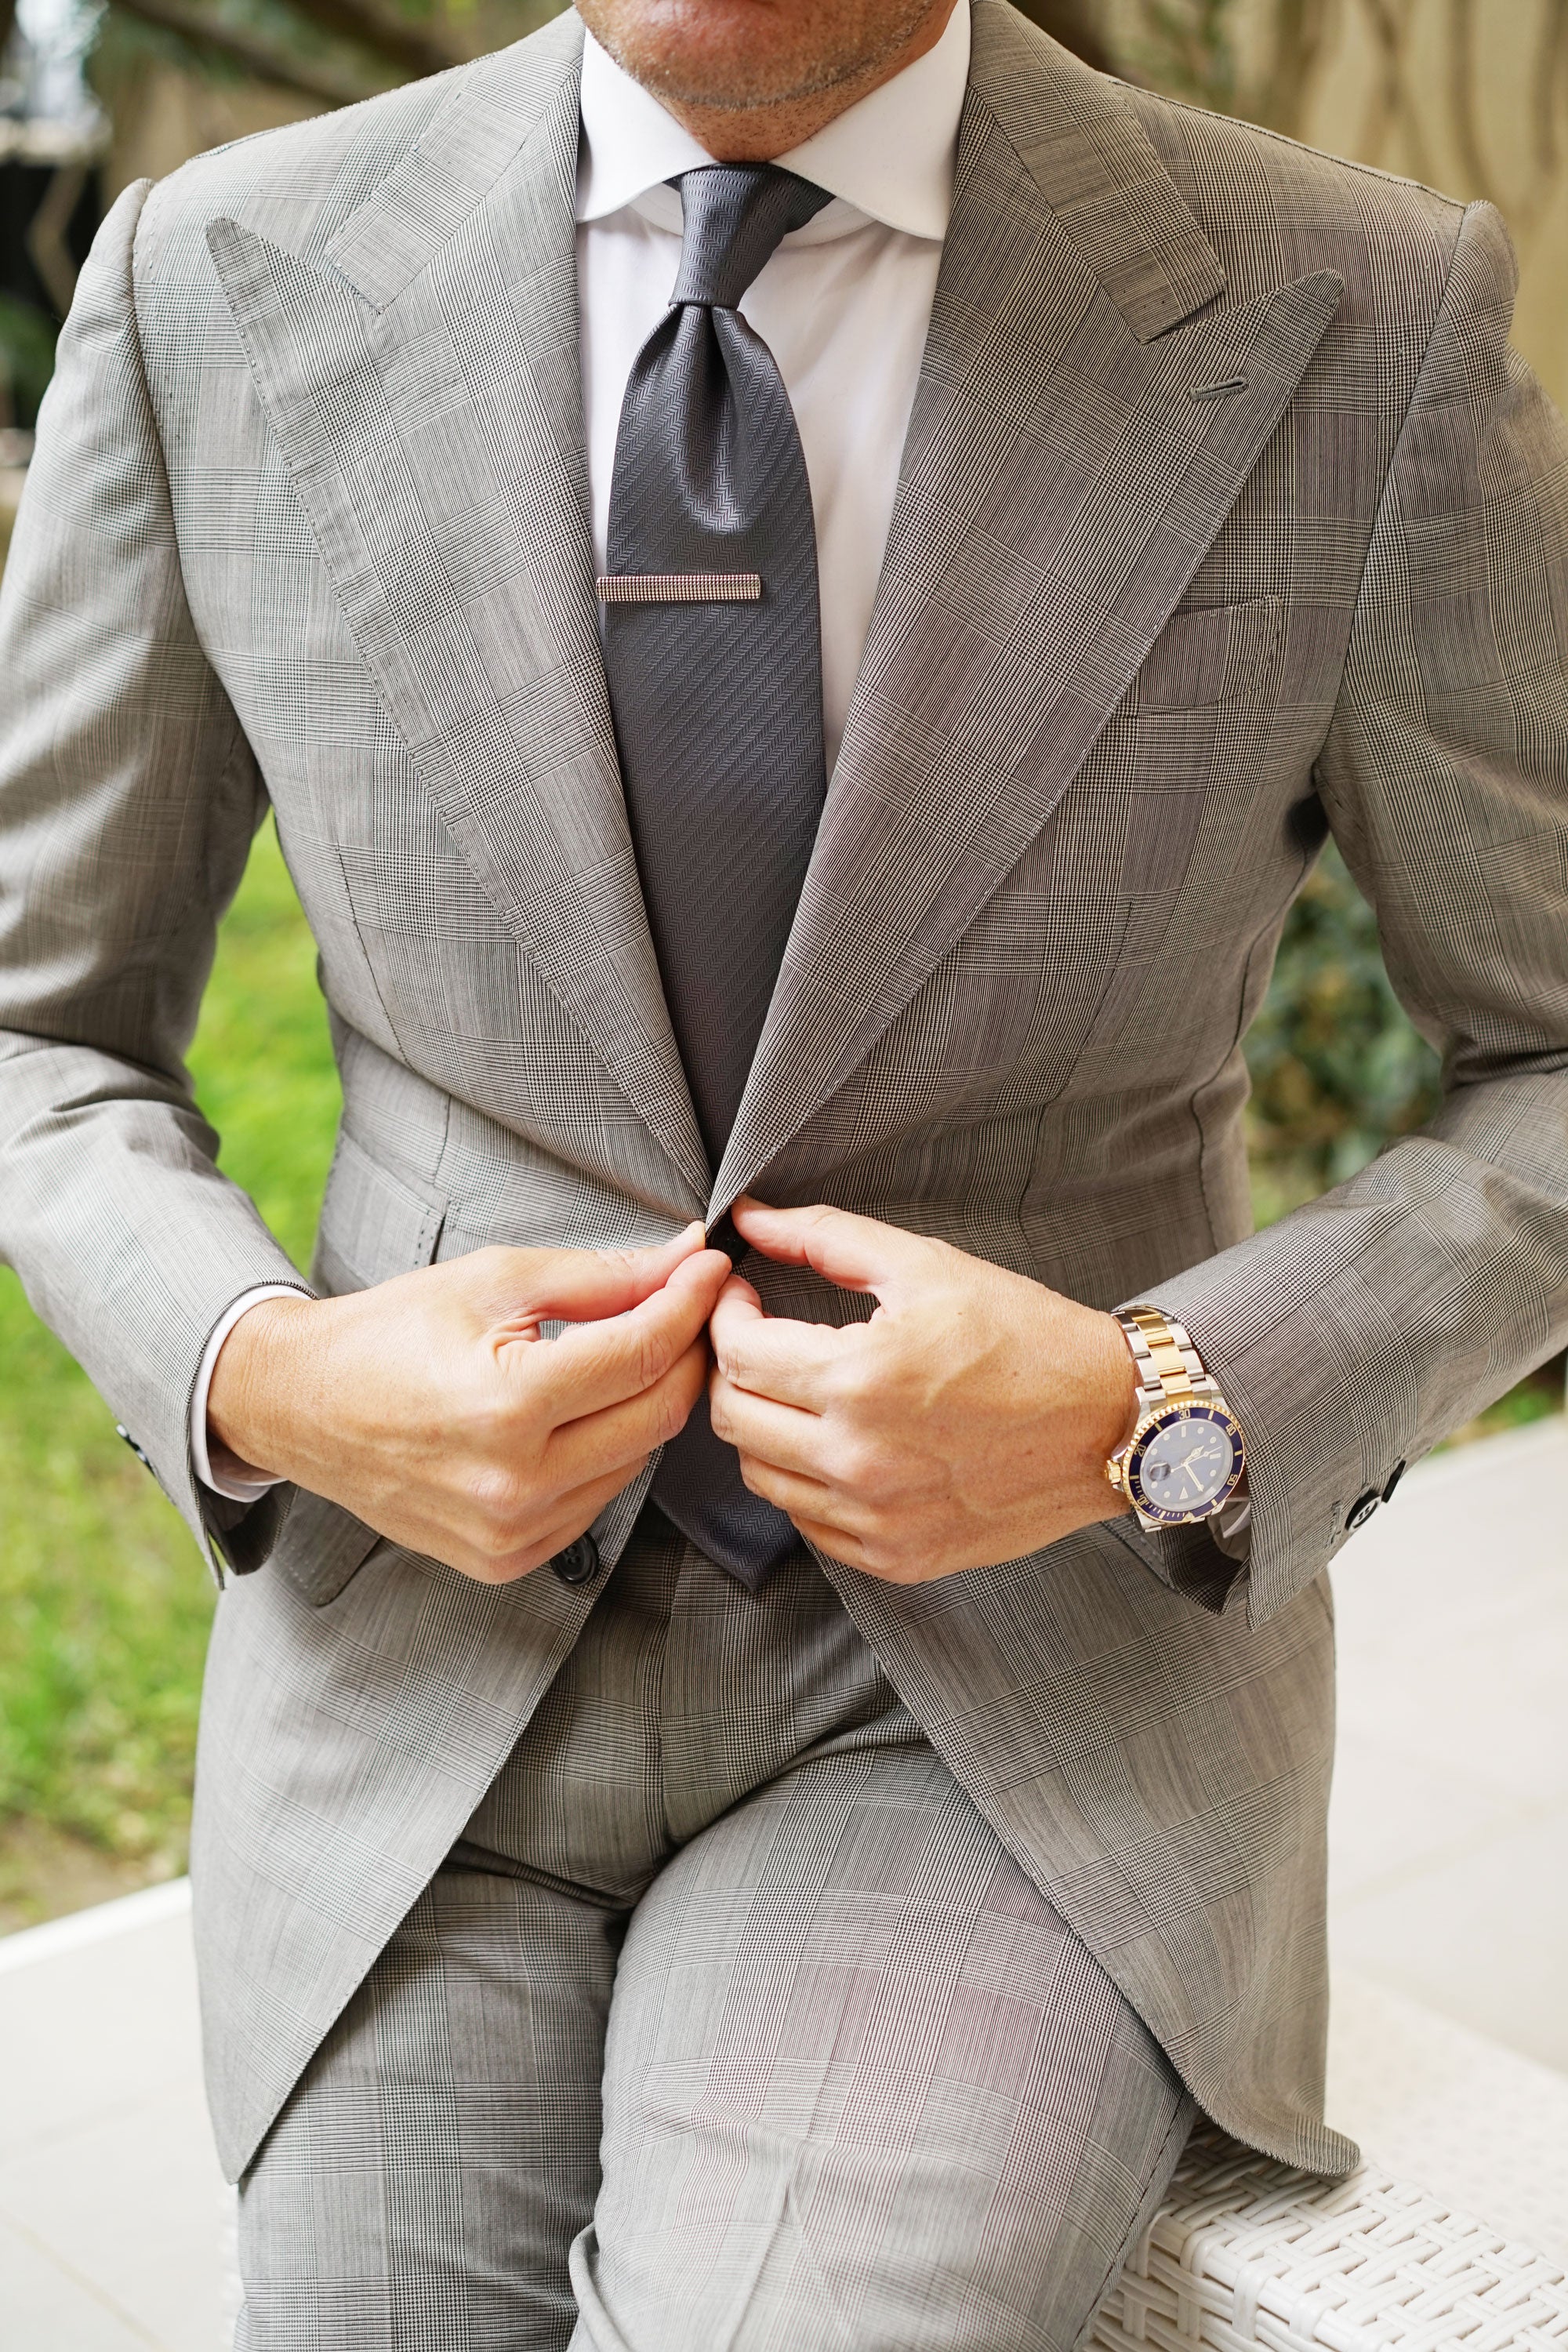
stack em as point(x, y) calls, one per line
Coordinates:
point(714, 650)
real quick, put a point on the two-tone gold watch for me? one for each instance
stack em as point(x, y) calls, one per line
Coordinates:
point(1186, 1456)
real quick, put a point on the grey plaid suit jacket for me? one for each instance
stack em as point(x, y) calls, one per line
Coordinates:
point(1225, 517)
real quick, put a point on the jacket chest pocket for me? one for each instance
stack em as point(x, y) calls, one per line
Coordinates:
point(1051, 965)
point(1186, 755)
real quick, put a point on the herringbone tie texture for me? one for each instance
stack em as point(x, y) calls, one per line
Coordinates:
point(714, 650)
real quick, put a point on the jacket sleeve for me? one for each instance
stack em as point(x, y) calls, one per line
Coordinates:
point(128, 801)
point(1355, 1334)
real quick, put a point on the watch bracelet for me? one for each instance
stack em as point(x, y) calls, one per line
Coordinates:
point(1171, 1373)
point(1168, 1365)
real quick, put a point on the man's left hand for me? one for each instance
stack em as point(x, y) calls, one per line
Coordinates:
point(967, 1423)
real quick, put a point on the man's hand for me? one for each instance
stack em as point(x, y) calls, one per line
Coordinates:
point(966, 1424)
point(431, 1408)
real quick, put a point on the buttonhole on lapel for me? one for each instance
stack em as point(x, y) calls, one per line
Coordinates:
point(1225, 389)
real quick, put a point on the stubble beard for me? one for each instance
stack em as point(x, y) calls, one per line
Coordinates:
point(737, 81)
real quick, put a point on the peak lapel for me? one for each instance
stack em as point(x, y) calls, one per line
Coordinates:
point(423, 385)
point(1060, 485)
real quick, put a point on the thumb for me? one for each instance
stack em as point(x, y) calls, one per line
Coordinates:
point(586, 1286)
point(856, 1253)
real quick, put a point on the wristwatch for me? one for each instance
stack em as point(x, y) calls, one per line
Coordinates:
point(1185, 1458)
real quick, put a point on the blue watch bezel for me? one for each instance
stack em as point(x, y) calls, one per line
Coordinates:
point(1150, 1428)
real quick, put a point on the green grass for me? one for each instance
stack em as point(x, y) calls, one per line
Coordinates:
point(104, 1601)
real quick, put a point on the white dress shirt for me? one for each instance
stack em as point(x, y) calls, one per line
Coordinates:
point(842, 305)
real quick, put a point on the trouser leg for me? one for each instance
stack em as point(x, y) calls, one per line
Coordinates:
point(420, 2189)
point(865, 2089)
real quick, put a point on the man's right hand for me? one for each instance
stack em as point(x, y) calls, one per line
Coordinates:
point(431, 1408)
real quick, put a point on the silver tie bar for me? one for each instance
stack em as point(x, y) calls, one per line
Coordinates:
point(679, 587)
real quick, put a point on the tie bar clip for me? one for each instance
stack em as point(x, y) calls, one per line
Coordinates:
point(679, 587)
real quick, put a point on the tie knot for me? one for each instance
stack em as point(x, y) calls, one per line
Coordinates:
point(735, 213)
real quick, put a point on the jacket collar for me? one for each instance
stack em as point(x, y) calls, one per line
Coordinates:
point(1060, 485)
point(422, 379)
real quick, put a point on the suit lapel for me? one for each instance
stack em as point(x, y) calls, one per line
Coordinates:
point(422, 381)
point(1062, 479)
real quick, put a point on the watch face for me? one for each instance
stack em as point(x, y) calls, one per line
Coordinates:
point(1186, 1462)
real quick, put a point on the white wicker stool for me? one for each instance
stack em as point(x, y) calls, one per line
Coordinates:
point(1246, 2251)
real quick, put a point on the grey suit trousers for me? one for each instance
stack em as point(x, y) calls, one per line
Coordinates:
point(728, 2023)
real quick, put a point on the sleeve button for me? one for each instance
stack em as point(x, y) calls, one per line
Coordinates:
point(1394, 1476)
point(579, 1563)
point(1362, 1509)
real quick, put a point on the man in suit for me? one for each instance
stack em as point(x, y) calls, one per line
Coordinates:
point(776, 1854)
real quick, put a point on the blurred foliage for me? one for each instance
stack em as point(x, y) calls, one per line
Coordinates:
point(1262, 60)
point(1183, 47)
point(337, 51)
point(26, 359)
point(1338, 1069)
point(105, 1611)
point(333, 51)
point(104, 1601)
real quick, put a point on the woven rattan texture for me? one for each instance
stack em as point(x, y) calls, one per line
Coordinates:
point(1247, 2251)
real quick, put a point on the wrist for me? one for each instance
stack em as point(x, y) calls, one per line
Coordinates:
point(255, 1390)
point(1116, 1390)
point(1111, 1414)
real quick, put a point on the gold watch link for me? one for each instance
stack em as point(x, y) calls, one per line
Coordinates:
point(1166, 1358)
point(1186, 1456)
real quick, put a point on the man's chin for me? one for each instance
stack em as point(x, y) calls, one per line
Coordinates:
point(739, 57)
point(717, 73)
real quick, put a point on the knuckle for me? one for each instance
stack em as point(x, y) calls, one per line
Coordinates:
point(493, 1568)
point(852, 1384)
point(857, 1465)
point(880, 1558)
point(499, 1497)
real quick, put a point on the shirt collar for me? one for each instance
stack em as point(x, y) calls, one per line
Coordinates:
point(889, 158)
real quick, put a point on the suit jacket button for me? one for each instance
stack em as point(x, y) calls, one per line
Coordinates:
point(1362, 1510)
point(579, 1563)
point(1395, 1475)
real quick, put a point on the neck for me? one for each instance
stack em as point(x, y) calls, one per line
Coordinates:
point(759, 133)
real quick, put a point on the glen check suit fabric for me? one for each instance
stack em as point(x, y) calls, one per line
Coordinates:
point(727, 1968)
point(1225, 516)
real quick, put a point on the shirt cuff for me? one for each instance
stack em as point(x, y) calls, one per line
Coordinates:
point(234, 1490)
point(1231, 1528)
